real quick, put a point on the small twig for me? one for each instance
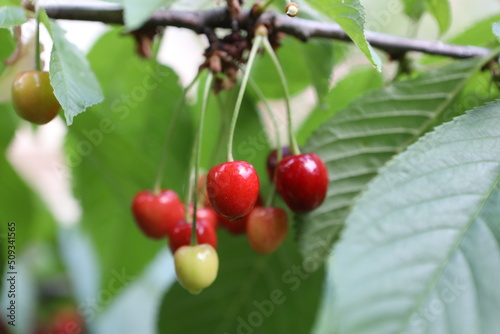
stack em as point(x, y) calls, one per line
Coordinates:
point(302, 29)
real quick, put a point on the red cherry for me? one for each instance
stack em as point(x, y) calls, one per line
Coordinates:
point(238, 226)
point(207, 215)
point(180, 234)
point(302, 181)
point(65, 320)
point(232, 188)
point(155, 214)
point(266, 229)
point(272, 160)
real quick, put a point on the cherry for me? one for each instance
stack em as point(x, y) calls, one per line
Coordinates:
point(302, 181)
point(232, 188)
point(180, 234)
point(196, 267)
point(33, 97)
point(64, 320)
point(238, 226)
point(207, 215)
point(266, 229)
point(155, 214)
point(272, 160)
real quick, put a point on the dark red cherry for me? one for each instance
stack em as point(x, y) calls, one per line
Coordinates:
point(302, 181)
point(232, 188)
point(272, 160)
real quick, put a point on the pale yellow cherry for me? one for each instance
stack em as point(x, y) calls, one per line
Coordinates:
point(196, 267)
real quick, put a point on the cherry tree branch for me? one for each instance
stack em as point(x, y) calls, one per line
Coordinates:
point(302, 29)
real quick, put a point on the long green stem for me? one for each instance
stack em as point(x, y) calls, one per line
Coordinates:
point(38, 62)
point(170, 131)
point(197, 154)
point(279, 152)
point(253, 52)
point(293, 143)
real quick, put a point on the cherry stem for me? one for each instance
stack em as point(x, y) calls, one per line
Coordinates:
point(293, 143)
point(197, 155)
point(38, 62)
point(221, 137)
point(253, 52)
point(279, 153)
point(170, 132)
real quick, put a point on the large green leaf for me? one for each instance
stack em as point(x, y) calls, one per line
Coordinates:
point(115, 148)
point(360, 139)
point(253, 293)
point(350, 15)
point(478, 34)
point(421, 250)
point(441, 11)
point(320, 71)
point(11, 16)
point(75, 86)
point(8, 44)
point(348, 89)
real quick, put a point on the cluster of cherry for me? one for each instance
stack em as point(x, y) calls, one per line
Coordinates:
point(231, 199)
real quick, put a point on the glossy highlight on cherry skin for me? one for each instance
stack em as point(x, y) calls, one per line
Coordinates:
point(302, 181)
point(232, 188)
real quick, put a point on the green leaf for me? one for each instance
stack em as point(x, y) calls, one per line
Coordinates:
point(345, 91)
point(478, 34)
point(441, 11)
point(253, 293)
point(8, 45)
point(16, 3)
point(136, 12)
point(360, 139)
point(350, 15)
point(421, 250)
point(319, 71)
point(11, 16)
point(75, 85)
point(115, 148)
point(414, 9)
